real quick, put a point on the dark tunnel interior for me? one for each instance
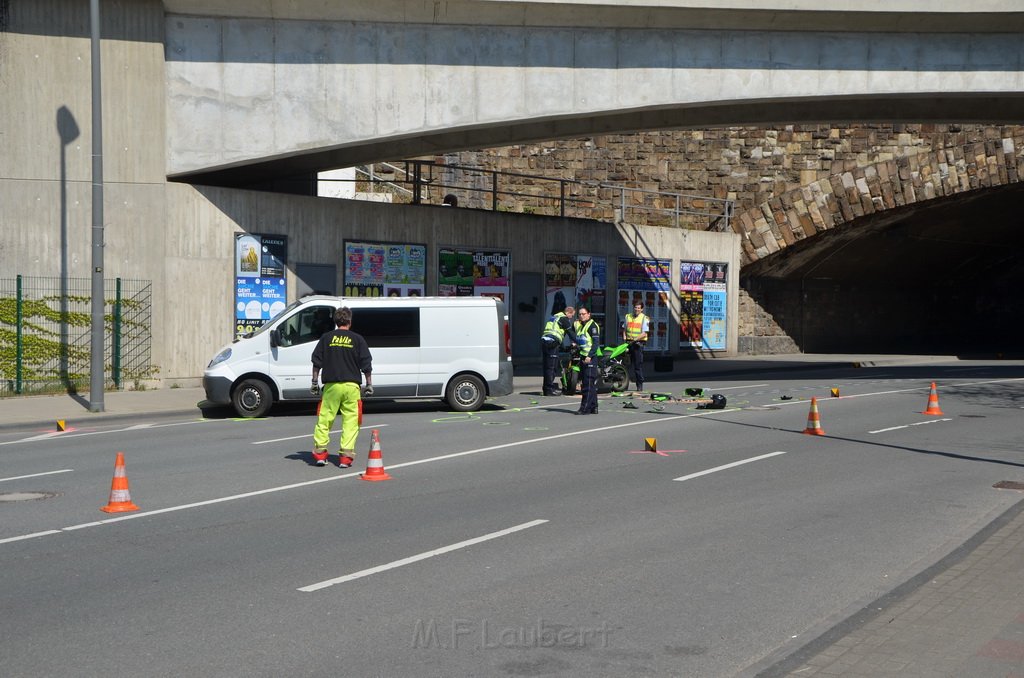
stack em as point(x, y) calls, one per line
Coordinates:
point(939, 277)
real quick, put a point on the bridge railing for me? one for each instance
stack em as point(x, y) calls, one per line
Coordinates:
point(431, 183)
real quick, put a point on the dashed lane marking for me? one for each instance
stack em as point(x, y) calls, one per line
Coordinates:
point(727, 466)
point(355, 474)
point(421, 556)
point(917, 423)
point(307, 435)
point(36, 475)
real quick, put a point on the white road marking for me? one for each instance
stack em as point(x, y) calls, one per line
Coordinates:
point(824, 399)
point(292, 486)
point(641, 422)
point(41, 436)
point(35, 475)
point(134, 427)
point(422, 556)
point(29, 536)
point(725, 466)
point(307, 435)
point(918, 423)
point(732, 388)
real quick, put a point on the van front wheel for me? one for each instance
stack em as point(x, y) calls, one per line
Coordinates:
point(466, 393)
point(252, 398)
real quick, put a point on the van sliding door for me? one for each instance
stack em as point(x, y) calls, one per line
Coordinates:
point(393, 335)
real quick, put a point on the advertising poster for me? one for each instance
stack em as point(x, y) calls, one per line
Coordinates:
point(648, 281)
point(467, 273)
point(260, 290)
point(702, 295)
point(384, 269)
point(575, 280)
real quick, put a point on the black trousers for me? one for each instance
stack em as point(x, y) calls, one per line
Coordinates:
point(549, 349)
point(636, 356)
point(588, 385)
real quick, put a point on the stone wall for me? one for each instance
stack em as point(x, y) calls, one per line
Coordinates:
point(787, 182)
point(748, 165)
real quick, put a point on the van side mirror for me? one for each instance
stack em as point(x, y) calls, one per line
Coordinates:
point(275, 338)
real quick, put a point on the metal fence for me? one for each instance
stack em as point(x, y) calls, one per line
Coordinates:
point(46, 340)
point(432, 183)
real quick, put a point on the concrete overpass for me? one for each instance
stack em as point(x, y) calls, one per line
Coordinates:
point(261, 89)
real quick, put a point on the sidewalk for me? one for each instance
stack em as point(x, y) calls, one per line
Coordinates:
point(961, 616)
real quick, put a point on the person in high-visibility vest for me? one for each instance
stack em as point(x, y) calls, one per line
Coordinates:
point(558, 327)
point(588, 336)
point(634, 330)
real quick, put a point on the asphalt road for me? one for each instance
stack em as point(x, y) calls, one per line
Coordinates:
point(518, 541)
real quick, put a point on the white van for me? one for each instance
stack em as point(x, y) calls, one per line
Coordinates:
point(454, 348)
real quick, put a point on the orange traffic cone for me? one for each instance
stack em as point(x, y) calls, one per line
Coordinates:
point(120, 498)
point(375, 462)
point(933, 402)
point(813, 421)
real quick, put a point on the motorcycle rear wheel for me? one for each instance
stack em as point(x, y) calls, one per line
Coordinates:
point(618, 378)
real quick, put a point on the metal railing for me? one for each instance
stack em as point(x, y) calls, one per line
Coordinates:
point(45, 333)
point(432, 183)
point(676, 206)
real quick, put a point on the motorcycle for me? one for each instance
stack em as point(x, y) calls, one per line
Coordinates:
point(611, 370)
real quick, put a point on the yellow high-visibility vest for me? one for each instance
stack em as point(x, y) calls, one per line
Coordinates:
point(554, 329)
point(634, 326)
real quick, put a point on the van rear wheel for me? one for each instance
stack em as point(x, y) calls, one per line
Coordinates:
point(466, 393)
point(252, 398)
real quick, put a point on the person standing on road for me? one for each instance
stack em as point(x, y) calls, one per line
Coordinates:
point(342, 354)
point(557, 328)
point(634, 331)
point(588, 337)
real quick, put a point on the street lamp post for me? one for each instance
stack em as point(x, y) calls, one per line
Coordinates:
point(96, 371)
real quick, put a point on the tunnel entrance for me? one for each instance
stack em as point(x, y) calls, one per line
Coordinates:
point(940, 277)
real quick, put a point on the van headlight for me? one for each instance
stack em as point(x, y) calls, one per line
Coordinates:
point(220, 357)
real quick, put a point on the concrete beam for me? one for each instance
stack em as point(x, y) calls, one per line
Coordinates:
point(288, 97)
point(796, 15)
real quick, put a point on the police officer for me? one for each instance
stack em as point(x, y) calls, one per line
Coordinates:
point(634, 330)
point(588, 336)
point(557, 328)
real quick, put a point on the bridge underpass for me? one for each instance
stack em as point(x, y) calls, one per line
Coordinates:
point(192, 89)
point(323, 94)
point(943, 276)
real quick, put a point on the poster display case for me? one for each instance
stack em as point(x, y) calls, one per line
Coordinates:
point(374, 269)
point(576, 280)
point(703, 302)
point(648, 281)
point(260, 285)
point(469, 273)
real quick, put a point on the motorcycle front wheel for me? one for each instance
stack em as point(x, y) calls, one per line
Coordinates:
point(570, 379)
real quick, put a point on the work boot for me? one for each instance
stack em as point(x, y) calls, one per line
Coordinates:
point(320, 456)
point(345, 458)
